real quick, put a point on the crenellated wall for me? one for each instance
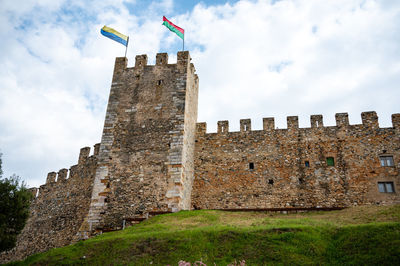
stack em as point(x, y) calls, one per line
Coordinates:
point(154, 158)
point(57, 209)
point(275, 168)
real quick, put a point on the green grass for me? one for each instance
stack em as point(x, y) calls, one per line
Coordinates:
point(355, 236)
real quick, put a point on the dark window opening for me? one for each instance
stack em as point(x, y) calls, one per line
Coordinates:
point(160, 82)
point(106, 200)
point(386, 160)
point(251, 166)
point(108, 185)
point(271, 181)
point(386, 187)
point(330, 161)
point(301, 180)
point(307, 164)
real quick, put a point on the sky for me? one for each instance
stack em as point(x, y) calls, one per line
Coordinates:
point(254, 59)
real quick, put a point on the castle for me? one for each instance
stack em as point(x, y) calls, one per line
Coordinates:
point(154, 158)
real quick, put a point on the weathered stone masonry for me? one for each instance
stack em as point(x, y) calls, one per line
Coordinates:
point(154, 158)
point(290, 165)
point(58, 208)
point(146, 152)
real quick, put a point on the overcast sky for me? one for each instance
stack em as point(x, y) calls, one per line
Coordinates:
point(254, 59)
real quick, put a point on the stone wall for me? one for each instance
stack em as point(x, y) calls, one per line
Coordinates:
point(147, 145)
point(153, 158)
point(57, 209)
point(290, 165)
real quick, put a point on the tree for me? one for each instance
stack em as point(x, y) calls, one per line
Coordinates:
point(14, 209)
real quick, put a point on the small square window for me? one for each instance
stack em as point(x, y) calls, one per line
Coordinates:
point(271, 181)
point(251, 166)
point(386, 187)
point(386, 160)
point(330, 161)
point(307, 164)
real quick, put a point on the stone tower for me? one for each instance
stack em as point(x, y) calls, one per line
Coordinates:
point(145, 162)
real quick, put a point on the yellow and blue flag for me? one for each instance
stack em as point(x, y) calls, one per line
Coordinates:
point(115, 35)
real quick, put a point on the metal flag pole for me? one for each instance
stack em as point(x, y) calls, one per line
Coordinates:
point(126, 48)
point(183, 48)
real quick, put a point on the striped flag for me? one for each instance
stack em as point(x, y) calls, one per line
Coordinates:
point(115, 35)
point(172, 27)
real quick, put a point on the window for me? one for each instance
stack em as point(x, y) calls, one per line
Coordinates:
point(251, 166)
point(386, 160)
point(330, 161)
point(307, 164)
point(386, 187)
point(271, 181)
point(160, 82)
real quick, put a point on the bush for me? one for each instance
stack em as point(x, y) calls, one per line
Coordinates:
point(14, 209)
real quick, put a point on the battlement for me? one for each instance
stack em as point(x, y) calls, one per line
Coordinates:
point(369, 122)
point(153, 156)
point(62, 174)
point(141, 62)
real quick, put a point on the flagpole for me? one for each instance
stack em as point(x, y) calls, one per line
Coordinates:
point(126, 49)
point(183, 48)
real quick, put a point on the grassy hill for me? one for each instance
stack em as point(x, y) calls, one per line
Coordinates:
point(367, 235)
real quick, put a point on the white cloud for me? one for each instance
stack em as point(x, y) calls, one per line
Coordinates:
point(332, 51)
point(255, 59)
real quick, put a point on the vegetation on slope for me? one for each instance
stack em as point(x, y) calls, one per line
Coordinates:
point(368, 235)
